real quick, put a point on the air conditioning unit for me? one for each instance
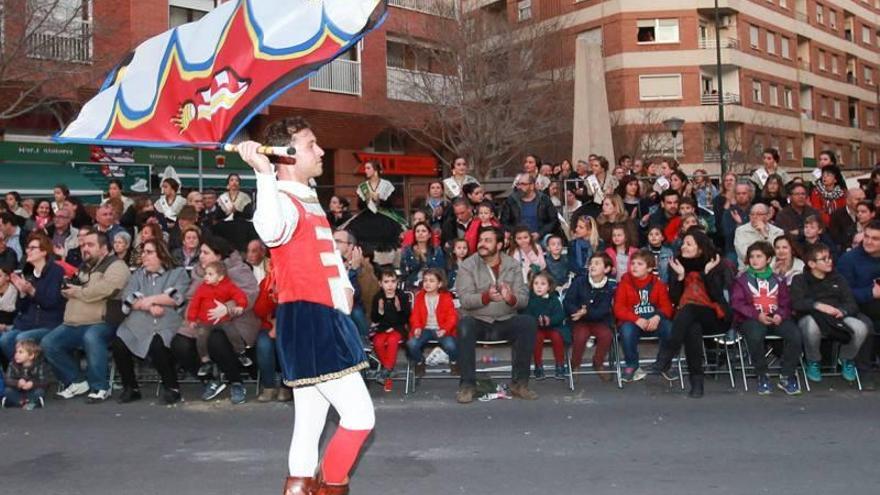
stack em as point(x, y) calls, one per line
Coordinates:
point(726, 21)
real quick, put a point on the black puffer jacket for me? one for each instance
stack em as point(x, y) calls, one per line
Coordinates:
point(807, 290)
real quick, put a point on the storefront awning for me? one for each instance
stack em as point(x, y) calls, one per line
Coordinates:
point(39, 179)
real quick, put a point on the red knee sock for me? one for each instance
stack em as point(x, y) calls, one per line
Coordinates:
point(341, 453)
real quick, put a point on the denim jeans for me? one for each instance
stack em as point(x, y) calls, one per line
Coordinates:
point(414, 345)
point(14, 396)
point(630, 334)
point(11, 336)
point(266, 360)
point(360, 321)
point(60, 343)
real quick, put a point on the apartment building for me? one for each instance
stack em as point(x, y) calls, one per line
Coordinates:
point(797, 75)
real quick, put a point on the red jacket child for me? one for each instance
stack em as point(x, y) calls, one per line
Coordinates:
point(628, 299)
point(203, 300)
point(447, 317)
point(266, 304)
point(472, 234)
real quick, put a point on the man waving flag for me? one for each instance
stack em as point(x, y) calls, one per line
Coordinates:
point(200, 83)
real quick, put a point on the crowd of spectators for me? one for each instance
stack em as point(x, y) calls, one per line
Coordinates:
point(569, 255)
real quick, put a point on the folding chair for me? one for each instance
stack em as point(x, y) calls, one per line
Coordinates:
point(677, 361)
point(444, 373)
point(744, 349)
point(720, 340)
point(834, 368)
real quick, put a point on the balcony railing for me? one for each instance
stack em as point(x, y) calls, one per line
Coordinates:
point(712, 99)
point(433, 7)
point(711, 156)
point(65, 47)
point(711, 43)
point(419, 86)
point(807, 113)
point(339, 76)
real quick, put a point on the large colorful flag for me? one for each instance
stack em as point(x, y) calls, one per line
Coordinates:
point(200, 83)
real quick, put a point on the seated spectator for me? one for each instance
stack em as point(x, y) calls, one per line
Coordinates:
point(762, 306)
point(390, 316)
point(696, 287)
point(526, 252)
point(338, 211)
point(420, 256)
point(453, 185)
point(360, 274)
point(485, 218)
point(621, 250)
point(491, 290)
point(474, 194)
point(736, 216)
point(460, 252)
point(188, 217)
point(787, 264)
point(257, 257)
point(220, 349)
point(843, 224)
point(433, 317)
point(90, 318)
point(234, 199)
point(14, 235)
point(814, 233)
point(688, 221)
point(571, 205)
point(584, 243)
point(456, 225)
point(195, 199)
point(679, 183)
point(825, 308)
point(42, 216)
point(14, 206)
point(724, 199)
point(666, 217)
point(150, 232)
point(59, 193)
point(107, 222)
point(40, 306)
point(556, 261)
point(122, 247)
point(643, 309)
point(81, 218)
point(828, 194)
point(187, 255)
point(212, 212)
point(613, 213)
point(170, 203)
point(860, 267)
point(409, 238)
point(704, 190)
point(588, 304)
point(773, 195)
point(151, 301)
point(545, 307)
point(865, 214)
point(267, 360)
point(26, 378)
point(662, 253)
point(770, 167)
point(436, 204)
point(530, 207)
point(216, 287)
point(634, 204)
point(757, 229)
point(8, 257)
point(8, 300)
point(63, 234)
point(115, 191)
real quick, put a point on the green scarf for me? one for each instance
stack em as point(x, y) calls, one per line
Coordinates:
point(764, 274)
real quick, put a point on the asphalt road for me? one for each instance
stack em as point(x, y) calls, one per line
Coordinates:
point(646, 439)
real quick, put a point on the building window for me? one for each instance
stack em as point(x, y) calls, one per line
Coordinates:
point(821, 57)
point(524, 10)
point(869, 75)
point(657, 31)
point(177, 16)
point(774, 95)
point(662, 143)
point(788, 98)
point(660, 87)
point(785, 48)
point(832, 19)
point(783, 4)
point(869, 117)
point(823, 106)
point(753, 37)
point(789, 149)
point(771, 43)
point(838, 114)
point(866, 35)
point(820, 14)
point(56, 30)
point(834, 65)
point(757, 92)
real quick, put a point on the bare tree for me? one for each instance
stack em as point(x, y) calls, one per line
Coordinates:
point(491, 89)
point(46, 55)
point(643, 137)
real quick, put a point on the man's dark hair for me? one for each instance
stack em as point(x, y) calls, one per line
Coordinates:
point(499, 234)
point(667, 193)
point(797, 185)
point(812, 251)
point(8, 217)
point(623, 158)
point(873, 225)
point(352, 240)
point(469, 188)
point(280, 133)
point(387, 273)
point(687, 200)
point(772, 152)
point(460, 202)
point(103, 240)
point(867, 204)
point(762, 246)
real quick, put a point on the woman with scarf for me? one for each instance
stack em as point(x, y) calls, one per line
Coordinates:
point(829, 192)
point(696, 286)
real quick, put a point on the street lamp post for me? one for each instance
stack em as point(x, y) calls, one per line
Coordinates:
point(674, 125)
point(722, 142)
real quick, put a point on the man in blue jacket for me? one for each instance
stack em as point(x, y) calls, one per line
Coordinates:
point(861, 269)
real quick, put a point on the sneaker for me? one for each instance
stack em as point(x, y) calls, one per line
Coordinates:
point(380, 376)
point(98, 396)
point(245, 361)
point(212, 390)
point(29, 406)
point(559, 373)
point(539, 373)
point(39, 403)
point(764, 387)
point(267, 395)
point(848, 369)
point(74, 389)
point(814, 371)
point(237, 393)
point(3, 403)
point(205, 370)
point(639, 374)
point(591, 342)
point(627, 375)
point(789, 385)
point(129, 395)
point(171, 396)
point(389, 385)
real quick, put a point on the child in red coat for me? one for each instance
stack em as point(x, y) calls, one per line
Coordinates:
point(215, 287)
point(485, 218)
point(433, 318)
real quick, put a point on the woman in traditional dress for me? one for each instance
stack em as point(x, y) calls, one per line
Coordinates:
point(376, 226)
point(452, 185)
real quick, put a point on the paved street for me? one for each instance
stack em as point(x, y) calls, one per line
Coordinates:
point(646, 439)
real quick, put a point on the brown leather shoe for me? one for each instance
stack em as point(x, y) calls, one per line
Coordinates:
point(297, 485)
point(603, 374)
point(465, 394)
point(454, 370)
point(327, 489)
point(267, 395)
point(521, 391)
point(421, 369)
point(284, 394)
